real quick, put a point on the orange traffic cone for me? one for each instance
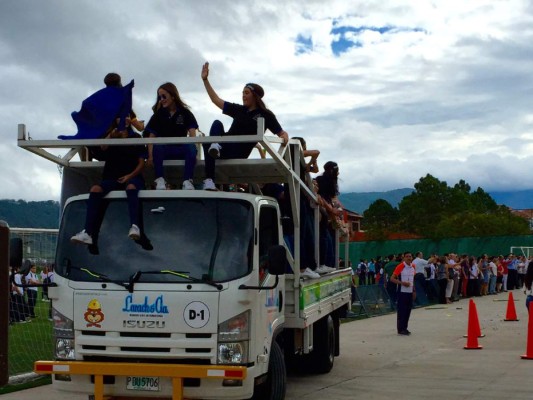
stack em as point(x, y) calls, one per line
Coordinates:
point(473, 328)
point(476, 322)
point(511, 309)
point(529, 346)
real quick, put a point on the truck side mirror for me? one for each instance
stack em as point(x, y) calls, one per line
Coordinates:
point(277, 260)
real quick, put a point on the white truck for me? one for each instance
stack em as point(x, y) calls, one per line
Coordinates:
point(209, 304)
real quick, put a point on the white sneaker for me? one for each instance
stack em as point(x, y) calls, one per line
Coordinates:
point(82, 238)
point(187, 185)
point(209, 184)
point(214, 150)
point(309, 273)
point(324, 269)
point(134, 233)
point(160, 183)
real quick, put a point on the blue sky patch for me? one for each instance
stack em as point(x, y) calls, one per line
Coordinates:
point(345, 41)
point(304, 44)
point(346, 36)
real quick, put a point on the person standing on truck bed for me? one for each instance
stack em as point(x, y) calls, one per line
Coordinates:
point(328, 190)
point(281, 193)
point(122, 171)
point(244, 123)
point(172, 118)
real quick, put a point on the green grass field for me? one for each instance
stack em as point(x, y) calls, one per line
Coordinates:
point(31, 341)
point(44, 380)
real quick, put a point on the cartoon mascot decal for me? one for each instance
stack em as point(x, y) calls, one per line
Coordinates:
point(94, 314)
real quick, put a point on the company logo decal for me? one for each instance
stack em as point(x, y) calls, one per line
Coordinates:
point(157, 307)
point(94, 314)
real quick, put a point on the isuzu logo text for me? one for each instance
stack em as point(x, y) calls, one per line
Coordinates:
point(131, 323)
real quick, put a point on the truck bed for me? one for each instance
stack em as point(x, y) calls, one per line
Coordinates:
point(308, 300)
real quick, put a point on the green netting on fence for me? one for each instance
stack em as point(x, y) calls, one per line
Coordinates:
point(493, 245)
point(370, 301)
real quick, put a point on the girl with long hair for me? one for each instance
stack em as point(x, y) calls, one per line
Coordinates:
point(244, 123)
point(172, 118)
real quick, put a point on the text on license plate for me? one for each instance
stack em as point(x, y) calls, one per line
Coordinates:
point(149, 383)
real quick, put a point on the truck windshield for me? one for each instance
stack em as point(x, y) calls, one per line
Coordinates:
point(205, 239)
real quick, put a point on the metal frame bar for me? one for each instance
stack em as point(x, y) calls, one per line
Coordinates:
point(175, 371)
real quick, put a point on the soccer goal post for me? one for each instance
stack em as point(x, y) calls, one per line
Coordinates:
point(522, 250)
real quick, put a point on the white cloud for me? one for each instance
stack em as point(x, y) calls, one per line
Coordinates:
point(439, 87)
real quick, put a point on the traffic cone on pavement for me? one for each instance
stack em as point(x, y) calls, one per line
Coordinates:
point(511, 309)
point(476, 322)
point(529, 345)
point(473, 328)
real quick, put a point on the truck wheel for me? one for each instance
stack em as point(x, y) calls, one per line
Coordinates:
point(276, 383)
point(323, 354)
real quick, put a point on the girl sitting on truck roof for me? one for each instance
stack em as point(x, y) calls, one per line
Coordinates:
point(244, 123)
point(172, 118)
point(122, 171)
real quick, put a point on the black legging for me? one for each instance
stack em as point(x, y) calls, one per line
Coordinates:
point(442, 290)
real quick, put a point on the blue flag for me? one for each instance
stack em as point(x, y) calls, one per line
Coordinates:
point(99, 110)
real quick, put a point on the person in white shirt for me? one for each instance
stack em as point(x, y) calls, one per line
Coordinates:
point(32, 279)
point(46, 273)
point(17, 297)
point(420, 265)
point(493, 275)
point(473, 279)
point(404, 275)
point(521, 271)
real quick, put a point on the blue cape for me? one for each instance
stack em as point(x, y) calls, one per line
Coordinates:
point(99, 110)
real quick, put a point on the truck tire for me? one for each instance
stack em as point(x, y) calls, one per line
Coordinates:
point(323, 354)
point(275, 386)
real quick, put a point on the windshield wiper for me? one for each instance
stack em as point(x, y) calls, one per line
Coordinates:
point(182, 274)
point(134, 278)
point(102, 277)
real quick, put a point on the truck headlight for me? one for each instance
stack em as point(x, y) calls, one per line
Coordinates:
point(64, 334)
point(65, 349)
point(233, 340)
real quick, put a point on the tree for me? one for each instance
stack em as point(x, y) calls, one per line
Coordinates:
point(480, 201)
point(500, 222)
point(420, 210)
point(435, 210)
point(379, 219)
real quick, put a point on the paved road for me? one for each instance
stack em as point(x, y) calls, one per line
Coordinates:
point(431, 363)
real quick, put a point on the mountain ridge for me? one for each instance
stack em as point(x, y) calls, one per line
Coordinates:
point(360, 201)
point(45, 214)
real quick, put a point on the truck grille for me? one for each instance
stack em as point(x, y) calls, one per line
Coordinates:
point(151, 345)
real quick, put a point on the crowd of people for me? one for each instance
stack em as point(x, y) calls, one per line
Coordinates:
point(449, 277)
point(24, 292)
point(413, 280)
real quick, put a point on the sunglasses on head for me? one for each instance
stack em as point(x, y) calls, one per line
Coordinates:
point(162, 97)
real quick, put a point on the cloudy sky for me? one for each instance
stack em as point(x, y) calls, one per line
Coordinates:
point(390, 89)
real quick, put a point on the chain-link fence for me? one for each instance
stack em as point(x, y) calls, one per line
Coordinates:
point(30, 328)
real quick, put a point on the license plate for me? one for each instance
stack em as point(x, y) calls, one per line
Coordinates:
point(146, 383)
